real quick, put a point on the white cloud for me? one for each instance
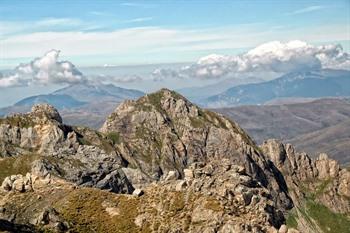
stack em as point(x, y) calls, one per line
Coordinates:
point(273, 57)
point(137, 20)
point(307, 10)
point(49, 22)
point(11, 81)
point(43, 70)
point(138, 4)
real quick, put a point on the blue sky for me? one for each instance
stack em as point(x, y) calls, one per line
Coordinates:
point(90, 33)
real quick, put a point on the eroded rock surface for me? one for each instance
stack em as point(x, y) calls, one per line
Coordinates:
point(163, 132)
point(322, 176)
point(189, 170)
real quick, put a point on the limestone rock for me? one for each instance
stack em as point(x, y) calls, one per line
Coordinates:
point(17, 183)
point(164, 132)
point(181, 185)
point(188, 174)
point(46, 110)
point(283, 229)
point(322, 176)
point(137, 192)
point(172, 175)
point(199, 171)
point(327, 168)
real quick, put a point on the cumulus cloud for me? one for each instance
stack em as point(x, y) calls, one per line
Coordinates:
point(275, 57)
point(11, 81)
point(160, 74)
point(43, 70)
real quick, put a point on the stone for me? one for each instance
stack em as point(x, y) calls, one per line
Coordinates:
point(172, 175)
point(291, 230)
point(188, 173)
point(7, 184)
point(47, 110)
point(182, 184)
point(138, 192)
point(344, 184)
point(327, 168)
point(18, 185)
point(283, 229)
point(247, 198)
point(275, 150)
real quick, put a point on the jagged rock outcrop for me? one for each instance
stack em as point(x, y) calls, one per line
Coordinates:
point(41, 130)
point(321, 180)
point(27, 183)
point(189, 170)
point(80, 155)
point(216, 196)
point(163, 132)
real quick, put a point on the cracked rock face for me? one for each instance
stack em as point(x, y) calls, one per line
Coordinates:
point(322, 175)
point(79, 155)
point(216, 196)
point(164, 132)
point(46, 110)
point(190, 170)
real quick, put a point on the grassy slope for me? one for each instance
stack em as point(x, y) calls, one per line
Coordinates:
point(313, 212)
point(16, 165)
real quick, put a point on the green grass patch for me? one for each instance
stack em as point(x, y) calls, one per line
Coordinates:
point(291, 220)
point(197, 122)
point(327, 220)
point(322, 187)
point(84, 141)
point(155, 100)
point(16, 165)
point(114, 137)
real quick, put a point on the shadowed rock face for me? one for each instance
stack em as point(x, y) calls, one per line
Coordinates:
point(199, 172)
point(63, 150)
point(304, 174)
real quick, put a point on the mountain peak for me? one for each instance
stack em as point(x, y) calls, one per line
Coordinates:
point(163, 132)
point(48, 110)
point(167, 93)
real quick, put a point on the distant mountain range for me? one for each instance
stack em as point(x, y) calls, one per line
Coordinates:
point(333, 140)
point(200, 92)
point(99, 92)
point(305, 84)
point(77, 97)
point(292, 87)
point(292, 113)
point(59, 101)
point(318, 126)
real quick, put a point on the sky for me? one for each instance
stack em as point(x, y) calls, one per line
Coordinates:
point(146, 45)
point(95, 33)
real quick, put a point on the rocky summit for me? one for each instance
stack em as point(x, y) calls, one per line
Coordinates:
point(161, 164)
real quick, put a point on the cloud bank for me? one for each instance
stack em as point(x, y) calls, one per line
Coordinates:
point(270, 58)
point(43, 70)
point(273, 57)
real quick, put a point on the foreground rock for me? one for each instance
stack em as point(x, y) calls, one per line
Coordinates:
point(318, 183)
point(220, 197)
